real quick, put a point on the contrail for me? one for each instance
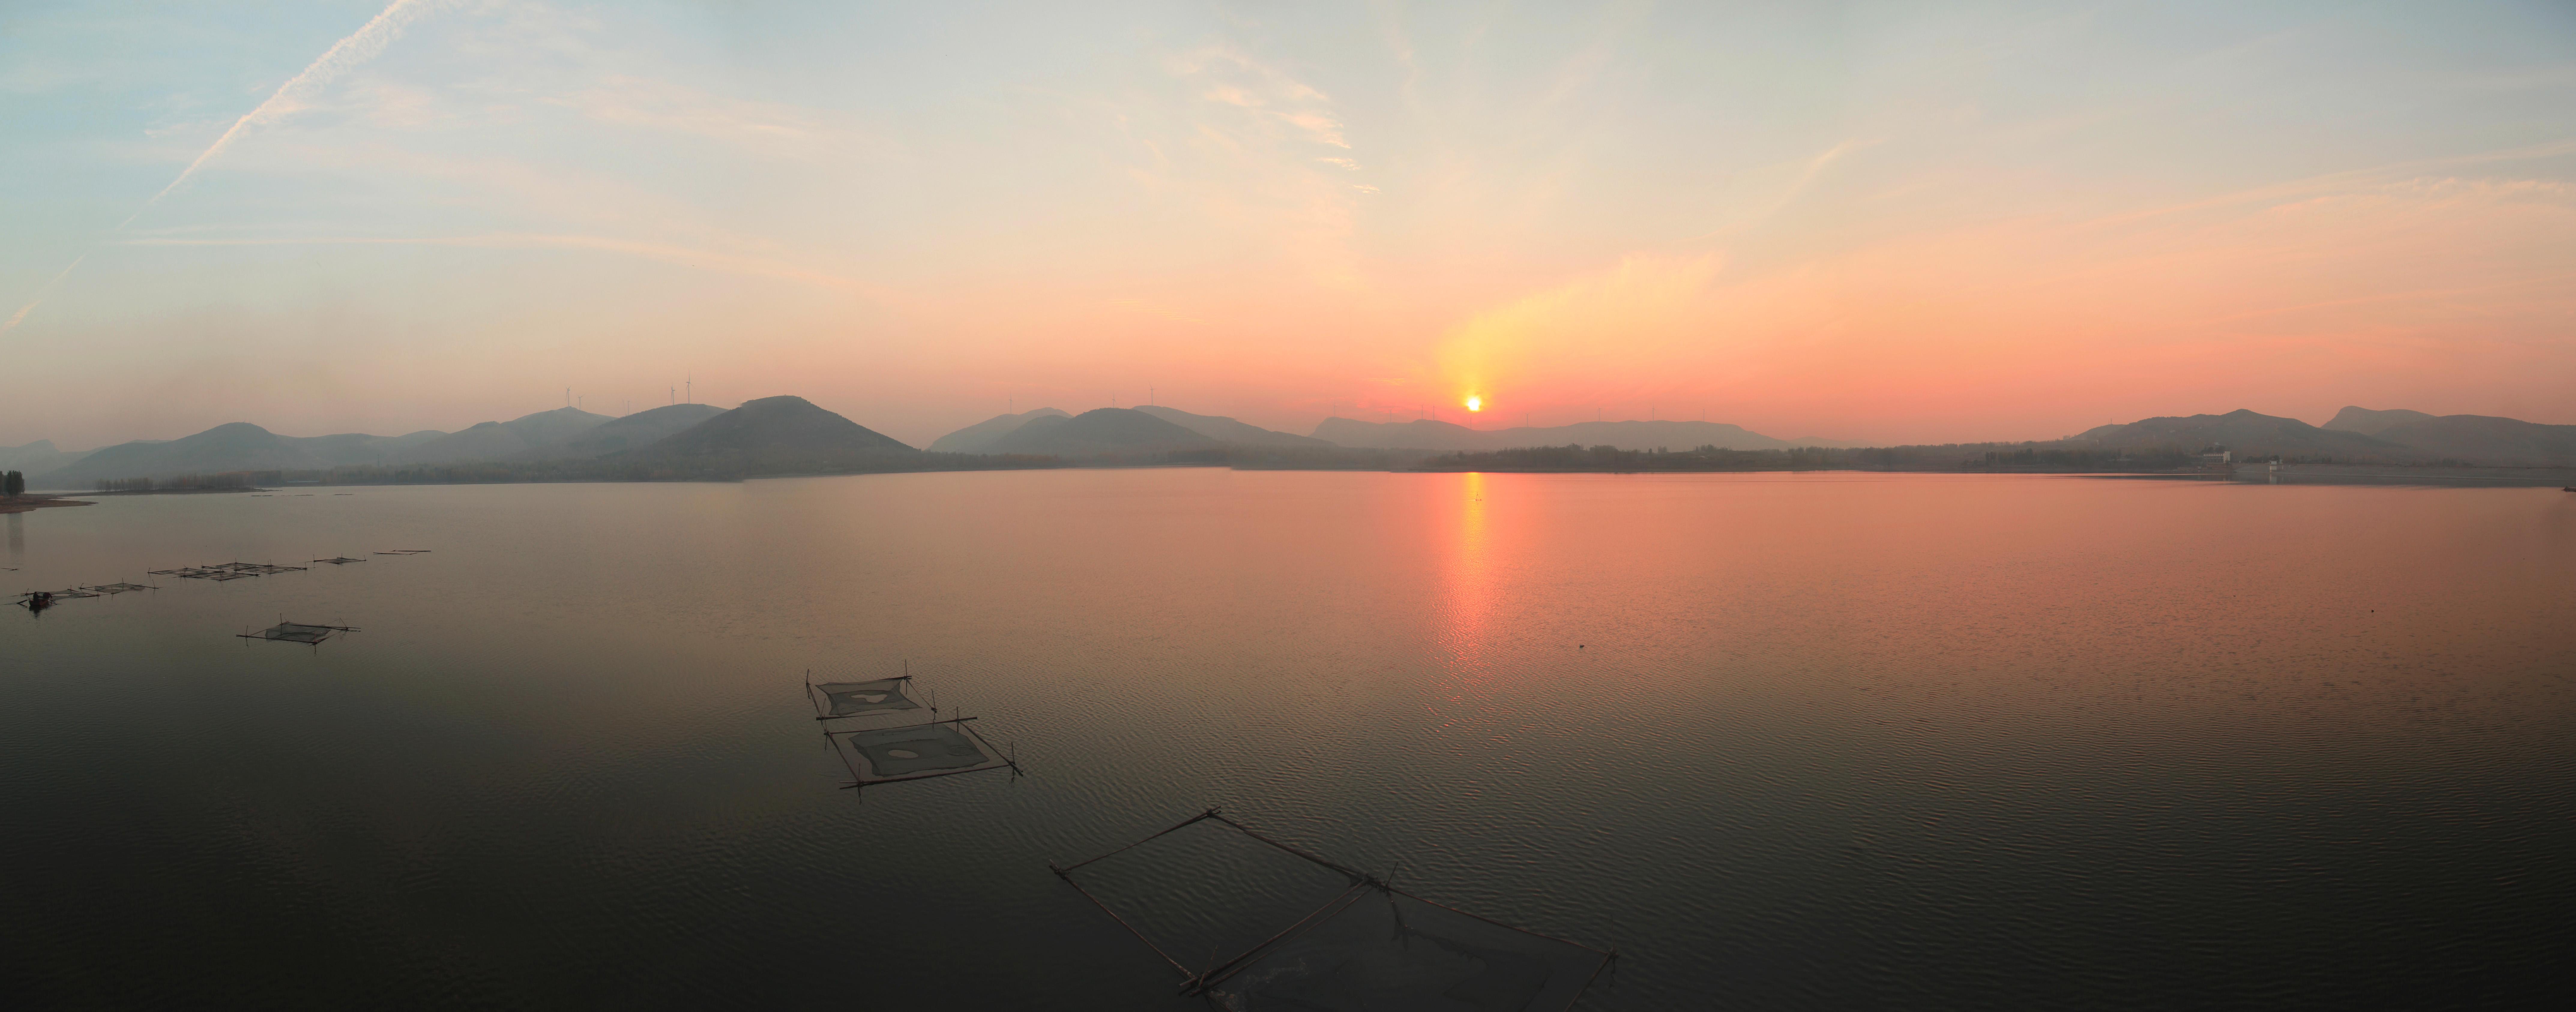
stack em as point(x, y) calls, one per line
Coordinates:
point(41, 293)
point(361, 46)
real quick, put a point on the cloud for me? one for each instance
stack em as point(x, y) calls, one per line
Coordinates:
point(1238, 80)
point(360, 46)
point(21, 315)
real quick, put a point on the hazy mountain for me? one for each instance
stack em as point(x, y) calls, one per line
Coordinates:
point(352, 448)
point(2247, 433)
point(635, 431)
point(980, 437)
point(2371, 423)
point(1426, 434)
point(35, 458)
point(1227, 430)
point(1097, 432)
point(777, 428)
point(516, 438)
point(2484, 439)
point(235, 446)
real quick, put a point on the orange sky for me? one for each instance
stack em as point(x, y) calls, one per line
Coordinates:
point(2000, 222)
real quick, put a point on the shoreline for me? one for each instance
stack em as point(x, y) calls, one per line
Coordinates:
point(33, 502)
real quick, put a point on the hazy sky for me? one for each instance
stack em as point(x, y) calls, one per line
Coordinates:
point(1897, 222)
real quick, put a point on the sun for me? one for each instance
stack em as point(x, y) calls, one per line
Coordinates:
point(1475, 403)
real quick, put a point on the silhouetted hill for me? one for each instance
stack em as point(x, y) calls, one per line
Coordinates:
point(1102, 431)
point(2245, 432)
point(517, 437)
point(1426, 434)
point(2371, 423)
point(980, 437)
point(350, 448)
point(635, 431)
point(777, 428)
point(2485, 439)
point(1227, 430)
point(234, 446)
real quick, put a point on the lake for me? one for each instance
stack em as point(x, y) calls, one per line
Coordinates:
point(1783, 741)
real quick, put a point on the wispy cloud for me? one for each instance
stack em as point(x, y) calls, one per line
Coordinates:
point(21, 315)
point(1236, 79)
point(360, 46)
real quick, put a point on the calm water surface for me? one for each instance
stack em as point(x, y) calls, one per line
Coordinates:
point(1824, 741)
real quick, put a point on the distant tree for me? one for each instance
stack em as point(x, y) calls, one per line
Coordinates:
point(13, 484)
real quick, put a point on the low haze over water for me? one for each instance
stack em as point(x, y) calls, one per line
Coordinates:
point(1784, 741)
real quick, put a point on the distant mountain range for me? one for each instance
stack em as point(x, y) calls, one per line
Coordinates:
point(980, 437)
point(783, 433)
point(2356, 434)
point(1227, 430)
point(775, 427)
point(774, 430)
point(1104, 431)
point(1428, 434)
point(2483, 439)
point(34, 458)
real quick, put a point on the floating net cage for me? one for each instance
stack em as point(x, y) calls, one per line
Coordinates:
point(1368, 947)
point(298, 632)
point(833, 700)
point(119, 588)
point(226, 571)
point(402, 551)
point(340, 560)
point(884, 732)
point(917, 751)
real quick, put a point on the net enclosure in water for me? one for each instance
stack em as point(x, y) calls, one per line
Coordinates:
point(120, 588)
point(297, 632)
point(1374, 948)
point(340, 560)
point(916, 751)
point(862, 699)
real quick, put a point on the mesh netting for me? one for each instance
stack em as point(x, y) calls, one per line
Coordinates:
point(119, 588)
point(297, 632)
point(340, 560)
point(862, 699)
point(1367, 948)
point(915, 752)
point(1386, 951)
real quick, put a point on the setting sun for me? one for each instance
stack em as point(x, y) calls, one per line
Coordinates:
point(1475, 403)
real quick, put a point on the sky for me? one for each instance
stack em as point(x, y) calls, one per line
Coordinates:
point(1896, 223)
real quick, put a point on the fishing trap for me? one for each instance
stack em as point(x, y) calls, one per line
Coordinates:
point(1367, 947)
point(885, 734)
point(298, 632)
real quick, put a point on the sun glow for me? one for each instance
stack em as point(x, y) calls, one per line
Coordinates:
point(1475, 403)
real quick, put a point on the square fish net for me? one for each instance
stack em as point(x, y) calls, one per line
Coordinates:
point(1283, 929)
point(863, 699)
point(915, 752)
point(1390, 950)
point(296, 632)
